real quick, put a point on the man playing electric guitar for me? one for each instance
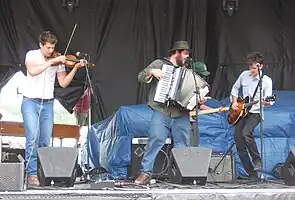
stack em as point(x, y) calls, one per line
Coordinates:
point(244, 128)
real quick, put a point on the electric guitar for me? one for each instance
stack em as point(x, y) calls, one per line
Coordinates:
point(209, 111)
point(244, 105)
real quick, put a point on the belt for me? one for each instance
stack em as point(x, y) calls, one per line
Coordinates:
point(40, 100)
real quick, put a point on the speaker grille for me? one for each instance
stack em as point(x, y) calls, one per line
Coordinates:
point(11, 176)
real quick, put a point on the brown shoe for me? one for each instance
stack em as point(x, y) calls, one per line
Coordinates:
point(142, 179)
point(33, 181)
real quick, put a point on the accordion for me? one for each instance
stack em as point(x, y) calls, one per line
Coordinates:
point(178, 87)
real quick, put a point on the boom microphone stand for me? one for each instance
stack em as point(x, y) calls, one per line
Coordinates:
point(194, 133)
point(101, 184)
point(261, 111)
point(261, 122)
point(89, 85)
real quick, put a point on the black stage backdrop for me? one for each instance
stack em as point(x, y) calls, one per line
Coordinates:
point(122, 37)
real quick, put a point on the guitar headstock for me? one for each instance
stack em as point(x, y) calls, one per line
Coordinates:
point(270, 98)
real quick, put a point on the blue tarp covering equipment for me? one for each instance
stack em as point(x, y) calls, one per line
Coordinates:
point(110, 140)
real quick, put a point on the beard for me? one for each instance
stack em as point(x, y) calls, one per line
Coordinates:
point(179, 61)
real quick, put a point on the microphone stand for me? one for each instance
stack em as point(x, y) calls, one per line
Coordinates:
point(89, 85)
point(195, 133)
point(100, 184)
point(261, 124)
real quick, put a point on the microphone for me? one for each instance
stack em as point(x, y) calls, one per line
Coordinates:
point(81, 55)
point(189, 59)
point(188, 62)
point(260, 72)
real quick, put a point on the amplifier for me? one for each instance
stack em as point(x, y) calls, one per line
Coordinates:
point(225, 171)
point(161, 165)
point(12, 176)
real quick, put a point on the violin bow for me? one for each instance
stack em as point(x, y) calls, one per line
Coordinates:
point(72, 34)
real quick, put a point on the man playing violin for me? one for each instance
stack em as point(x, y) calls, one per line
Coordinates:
point(244, 129)
point(37, 105)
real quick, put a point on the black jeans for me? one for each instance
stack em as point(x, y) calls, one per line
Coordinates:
point(245, 142)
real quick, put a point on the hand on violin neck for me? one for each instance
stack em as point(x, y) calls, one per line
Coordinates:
point(80, 64)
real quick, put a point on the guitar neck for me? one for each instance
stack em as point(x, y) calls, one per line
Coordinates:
point(268, 99)
point(209, 111)
point(251, 103)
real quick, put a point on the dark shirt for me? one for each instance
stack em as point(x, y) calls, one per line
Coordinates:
point(170, 111)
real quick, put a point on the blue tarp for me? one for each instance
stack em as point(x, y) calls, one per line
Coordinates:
point(110, 140)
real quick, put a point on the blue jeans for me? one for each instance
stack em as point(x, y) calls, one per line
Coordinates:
point(160, 128)
point(37, 133)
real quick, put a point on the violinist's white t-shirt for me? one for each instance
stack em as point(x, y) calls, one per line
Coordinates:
point(42, 85)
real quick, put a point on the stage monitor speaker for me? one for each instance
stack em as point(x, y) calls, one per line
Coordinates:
point(161, 165)
point(189, 165)
point(288, 170)
point(57, 166)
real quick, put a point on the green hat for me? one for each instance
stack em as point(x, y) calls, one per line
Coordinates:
point(201, 69)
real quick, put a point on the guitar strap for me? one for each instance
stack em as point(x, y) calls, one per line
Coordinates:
point(257, 87)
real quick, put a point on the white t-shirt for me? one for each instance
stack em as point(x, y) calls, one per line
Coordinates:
point(42, 85)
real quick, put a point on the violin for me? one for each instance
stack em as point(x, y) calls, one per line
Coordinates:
point(71, 60)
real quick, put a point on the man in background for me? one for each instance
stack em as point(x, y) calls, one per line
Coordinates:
point(201, 69)
point(81, 112)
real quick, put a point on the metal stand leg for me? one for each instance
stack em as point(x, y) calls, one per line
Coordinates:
point(233, 163)
point(1, 148)
point(194, 133)
point(233, 167)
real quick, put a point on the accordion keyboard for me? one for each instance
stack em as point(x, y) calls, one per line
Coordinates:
point(164, 84)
